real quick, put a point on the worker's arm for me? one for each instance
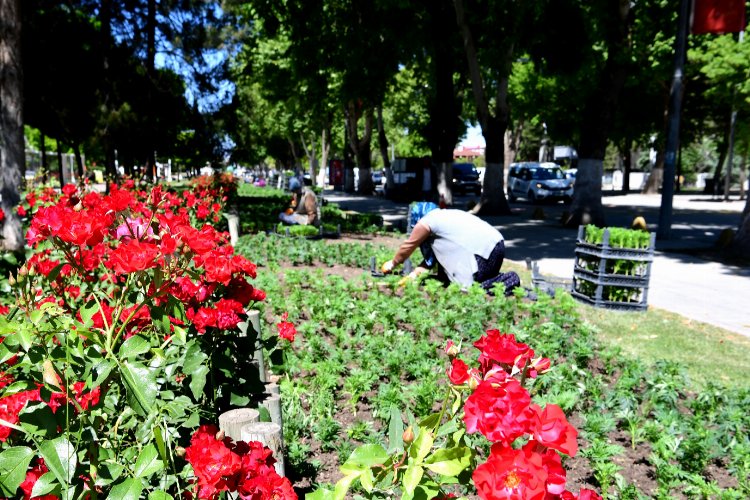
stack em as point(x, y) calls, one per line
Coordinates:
point(418, 236)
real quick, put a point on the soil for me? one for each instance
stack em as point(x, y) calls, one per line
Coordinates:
point(634, 465)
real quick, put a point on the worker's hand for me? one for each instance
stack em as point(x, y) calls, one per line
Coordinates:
point(289, 211)
point(387, 266)
point(406, 279)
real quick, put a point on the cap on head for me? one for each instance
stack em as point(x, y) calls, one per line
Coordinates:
point(294, 185)
point(419, 210)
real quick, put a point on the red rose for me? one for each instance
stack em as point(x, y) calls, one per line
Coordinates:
point(511, 474)
point(286, 329)
point(218, 267)
point(588, 495)
point(133, 256)
point(500, 411)
point(458, 373)
point(501, 348)
point(553, 430)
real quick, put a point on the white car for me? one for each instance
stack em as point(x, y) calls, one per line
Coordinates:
point(536, 181)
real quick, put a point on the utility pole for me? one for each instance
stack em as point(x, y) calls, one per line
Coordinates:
point(673, 123)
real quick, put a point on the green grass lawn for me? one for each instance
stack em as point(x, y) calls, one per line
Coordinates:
point(709, 354)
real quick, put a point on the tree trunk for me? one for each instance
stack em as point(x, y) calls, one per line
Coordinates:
point(12, 157)
point(60, 167)
point(325, 148)
point(723, 152)
point(105, 16)
point(444, 107)
point(512, 142)
point(45, 167)
point(361, 146)
point(79, 163)
point(382, 139)
point(741, 243)
point(151, 71)
point(587, 202)
point(493, 127)
point(597, 118)
point(312, 155)
point(654, 181)
point(743, 171)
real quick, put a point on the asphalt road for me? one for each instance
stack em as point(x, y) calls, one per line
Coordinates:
point(681, 281)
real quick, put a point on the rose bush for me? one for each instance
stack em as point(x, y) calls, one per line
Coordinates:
point(126, 317)
point(520, 454)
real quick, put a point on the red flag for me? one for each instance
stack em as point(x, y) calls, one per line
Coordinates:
point(718, 16)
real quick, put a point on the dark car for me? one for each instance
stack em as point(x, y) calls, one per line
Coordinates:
point(466, 179)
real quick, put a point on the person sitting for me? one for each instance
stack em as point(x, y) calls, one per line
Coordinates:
point(304, 206)
point(465, 248)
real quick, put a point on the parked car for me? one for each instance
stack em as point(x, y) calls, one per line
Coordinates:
point(378, 180)
point(536, 181)
point(466, 179)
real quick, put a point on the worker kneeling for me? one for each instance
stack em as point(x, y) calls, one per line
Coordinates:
point(304, 206)
point(465, 249)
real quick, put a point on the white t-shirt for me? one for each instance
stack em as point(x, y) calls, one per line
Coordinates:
point(456, 237)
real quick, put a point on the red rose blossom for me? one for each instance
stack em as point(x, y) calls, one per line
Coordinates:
point(286, 329)
point(458, 373)
point(511, 474)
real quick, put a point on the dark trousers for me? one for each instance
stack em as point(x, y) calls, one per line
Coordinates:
point(488, 271)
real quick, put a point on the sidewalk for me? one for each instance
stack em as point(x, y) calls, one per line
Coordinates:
point(682, 283)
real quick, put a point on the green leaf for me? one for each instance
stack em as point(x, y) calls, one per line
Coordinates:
point(102, 368)
point(148, 462)
point(412, 477)
point(36, 316)
point(450, 462)
point(395, 431)
point(45, 484)
point(37, 418)
point(319, 494)
point(140, 383)
point(160, 444)
point(430, 421)
point(130, 489)
point(60, 457)
point(421, 445)
point(88, 311)
point(52, 276)
point(366, 479)
point(13, 464)
point(194, 357)
point(198, 380)
point(343, 484)
point(25, 339)
point(162, 495)
point(109, 473)
point(134, 346)
point(366, 456)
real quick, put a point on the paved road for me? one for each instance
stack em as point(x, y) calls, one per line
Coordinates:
point(695, 288)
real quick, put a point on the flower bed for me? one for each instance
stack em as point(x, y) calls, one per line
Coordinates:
point(122, 340)
point(369, 354)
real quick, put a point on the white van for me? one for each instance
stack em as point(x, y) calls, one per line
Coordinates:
point(536, 181)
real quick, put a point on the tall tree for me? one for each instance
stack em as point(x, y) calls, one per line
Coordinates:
point(489, 83)
point(11, 122)
point(444, 102)
point(599, 112)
